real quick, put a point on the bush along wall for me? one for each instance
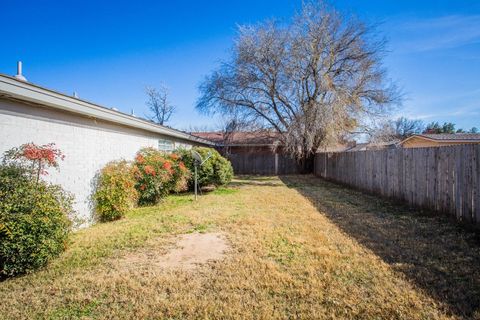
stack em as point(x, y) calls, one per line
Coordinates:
point(151, 177)
point(158, 174)
point(34, 224)
point(216, 171)
point(115, 193)
point(180, 174)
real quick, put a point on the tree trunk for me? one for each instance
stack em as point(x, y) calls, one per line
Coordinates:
point(305, 164)
point(39, 170)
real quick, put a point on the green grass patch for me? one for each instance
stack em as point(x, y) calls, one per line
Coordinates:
point(284, 251)
point(202, 227)
point(225, 191)
point(74, 311)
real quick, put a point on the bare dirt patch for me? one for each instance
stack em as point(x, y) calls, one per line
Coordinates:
point(188, 252)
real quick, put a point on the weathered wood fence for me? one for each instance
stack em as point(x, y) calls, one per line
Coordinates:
point(262, 164)
point(443, 179)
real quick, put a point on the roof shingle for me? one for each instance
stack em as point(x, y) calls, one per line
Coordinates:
point(451, 136)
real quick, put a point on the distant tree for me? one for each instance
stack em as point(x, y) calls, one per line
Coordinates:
point(398, 129)
point(435, 127)
point(159, 105)
point(312, 80)
point(233, 123)
point(201, 128)
point(231, 126)
point(405, 128)
point(448, 127)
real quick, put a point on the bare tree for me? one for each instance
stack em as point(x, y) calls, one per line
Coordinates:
point(396, 130)
point(158, 104)
point(312, 80)
point(231, 124)
point(201, 128)
point(405, 128)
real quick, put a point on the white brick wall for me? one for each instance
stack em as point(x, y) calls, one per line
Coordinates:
point(88, 144)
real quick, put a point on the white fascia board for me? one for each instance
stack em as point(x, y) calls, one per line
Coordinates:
point(31, 93)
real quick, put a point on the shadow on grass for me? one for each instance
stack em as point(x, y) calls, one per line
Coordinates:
point(435, 254)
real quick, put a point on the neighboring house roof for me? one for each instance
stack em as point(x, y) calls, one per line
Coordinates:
point(373, 146)
point(447, 137)
point(216, 137)
point(358, 147)
point(339, 147)
point(251, 138)
point(12, 88)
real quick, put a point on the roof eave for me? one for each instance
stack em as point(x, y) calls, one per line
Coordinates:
point(19, 90)
point(440, 140)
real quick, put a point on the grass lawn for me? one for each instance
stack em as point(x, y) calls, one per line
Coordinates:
point(300, 248)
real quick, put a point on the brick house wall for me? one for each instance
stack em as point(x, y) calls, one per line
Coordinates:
point(88, 144)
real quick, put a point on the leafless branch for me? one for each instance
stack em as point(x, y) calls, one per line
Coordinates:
point(159, 105)
point(313, 80)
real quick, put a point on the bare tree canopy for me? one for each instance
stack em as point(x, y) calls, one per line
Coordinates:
point(313, 79)
point(397, 130)
point(158, 104)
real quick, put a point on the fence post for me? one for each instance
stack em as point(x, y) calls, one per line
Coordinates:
point(276, 163)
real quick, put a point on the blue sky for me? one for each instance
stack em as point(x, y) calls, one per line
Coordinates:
point(109, 51)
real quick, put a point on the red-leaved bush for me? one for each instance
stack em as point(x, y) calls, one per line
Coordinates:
point(40, 157)
point(157, 174)
point(181, 174)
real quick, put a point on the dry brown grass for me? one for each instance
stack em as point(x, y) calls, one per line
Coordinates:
point(433, 252)
point(288, 260)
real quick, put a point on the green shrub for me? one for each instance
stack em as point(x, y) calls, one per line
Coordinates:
point(215, 171)
point(34, 224)
point(115, 193)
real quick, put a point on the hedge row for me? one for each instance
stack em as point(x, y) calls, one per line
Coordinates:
point(153, 175)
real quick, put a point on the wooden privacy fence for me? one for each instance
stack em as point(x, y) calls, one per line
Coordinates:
point(262, 163)
point(443, 179)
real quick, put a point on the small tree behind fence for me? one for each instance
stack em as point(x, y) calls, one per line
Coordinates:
point(442, 179)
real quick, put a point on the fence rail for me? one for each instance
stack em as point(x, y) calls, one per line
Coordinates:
point(262, 163)
point(443, 179)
